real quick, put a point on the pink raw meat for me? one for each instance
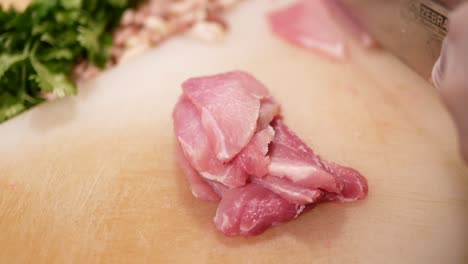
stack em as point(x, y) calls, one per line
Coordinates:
point(217, 187)
point(197, 148)
point(288, 190)
point(350, 22)
point(253, 158)
point(272, 175)
point(252, 209)
point(200, 188)
point(293, 159)
point(230, 105)
point(354, 184)
point(190, 134)
point(309, 24)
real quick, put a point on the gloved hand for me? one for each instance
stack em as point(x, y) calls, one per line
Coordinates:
point(450, 73)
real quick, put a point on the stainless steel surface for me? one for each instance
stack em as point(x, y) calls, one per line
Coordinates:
point(411, 29)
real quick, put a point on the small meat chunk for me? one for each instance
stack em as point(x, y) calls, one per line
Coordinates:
point(252, 209)
point(253, 159)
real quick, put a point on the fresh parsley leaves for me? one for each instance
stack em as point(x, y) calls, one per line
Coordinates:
point(40, 46)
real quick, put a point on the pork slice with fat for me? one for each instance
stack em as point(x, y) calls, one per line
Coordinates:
point(291, 158)
point(197, 148)
point(200, 188)
point(229, 104)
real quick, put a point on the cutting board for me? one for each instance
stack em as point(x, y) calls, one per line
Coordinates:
point(93, 179)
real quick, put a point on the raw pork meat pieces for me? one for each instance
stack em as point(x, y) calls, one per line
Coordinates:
point(233, 147)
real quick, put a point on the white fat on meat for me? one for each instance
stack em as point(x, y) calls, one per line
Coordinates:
point(294, 172)
point(288, 190)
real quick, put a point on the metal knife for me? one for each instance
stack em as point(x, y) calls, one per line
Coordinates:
point(413, 30)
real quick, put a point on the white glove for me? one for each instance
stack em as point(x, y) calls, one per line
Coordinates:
point(450, 73)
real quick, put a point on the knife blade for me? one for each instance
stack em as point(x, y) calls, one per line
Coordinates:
point(413, 30)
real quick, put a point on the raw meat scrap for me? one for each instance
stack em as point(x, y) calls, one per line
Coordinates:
point(350, 22)
point(272, 176)
point(309, 24)
point(313, 24)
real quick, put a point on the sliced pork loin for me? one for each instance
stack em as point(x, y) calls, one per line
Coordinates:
point(234, 146)
point(197, 148)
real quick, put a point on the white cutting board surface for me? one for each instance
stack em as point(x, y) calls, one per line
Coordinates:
point(93, 179)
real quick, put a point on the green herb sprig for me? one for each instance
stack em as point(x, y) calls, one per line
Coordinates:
point(40, 46)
